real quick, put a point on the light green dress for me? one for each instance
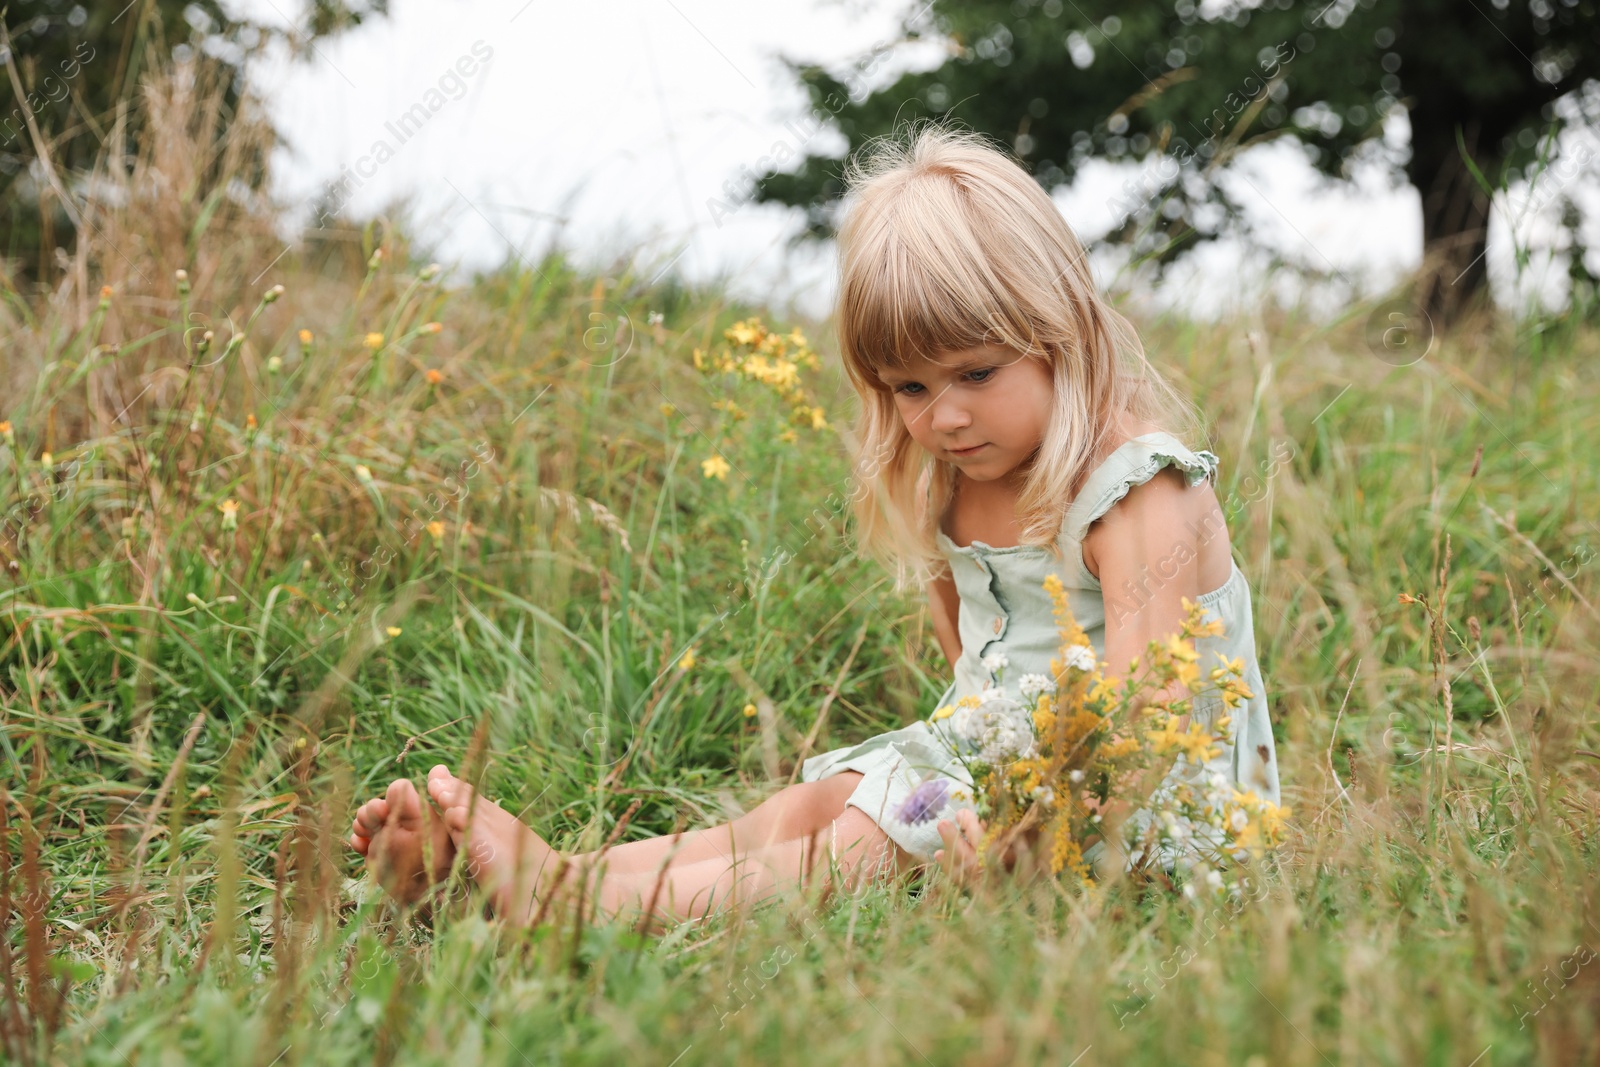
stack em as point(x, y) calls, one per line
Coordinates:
point(1004, 608)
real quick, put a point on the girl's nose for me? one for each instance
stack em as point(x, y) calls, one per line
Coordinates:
point(949, 415)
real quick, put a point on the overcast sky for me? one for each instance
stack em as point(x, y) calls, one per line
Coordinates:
point(619, 122)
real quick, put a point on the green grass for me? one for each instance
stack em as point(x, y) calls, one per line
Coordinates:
point(179, 776)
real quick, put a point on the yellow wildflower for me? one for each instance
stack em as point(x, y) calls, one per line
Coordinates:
point(436, 531)
point(1194, 626)
point(1104, 689)
point(1189, 675)
point(1122, 746)
point(374, 341)
point(1229, 666)
point(944, 712)
point(1272, 820)
point(7, 433)
point(392, 631)
point(715, 467)
point(747, 332)
point(363, 474)
point(434, 377)
point(687, 661)
point(749, 711)
point(1181, 649)
point(305, 337)
point(230, 514)
point(1199, 745)
point(788, 437)
point(1166, 737)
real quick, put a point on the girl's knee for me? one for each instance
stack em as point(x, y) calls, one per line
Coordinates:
point(826, 799)
point(860, 842)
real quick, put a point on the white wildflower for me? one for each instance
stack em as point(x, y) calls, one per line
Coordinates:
point(998, 728)
point(1238, 820)
point(1080, 657)
point(1034, 686)
point(1075, 775)
point(995, 662)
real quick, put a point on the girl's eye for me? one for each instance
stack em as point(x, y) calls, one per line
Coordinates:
point(909, 388)
point(981, 375)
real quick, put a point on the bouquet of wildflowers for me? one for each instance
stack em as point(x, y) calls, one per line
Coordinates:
point(1061, 758)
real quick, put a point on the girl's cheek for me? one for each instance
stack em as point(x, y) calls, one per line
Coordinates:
point(907, 411)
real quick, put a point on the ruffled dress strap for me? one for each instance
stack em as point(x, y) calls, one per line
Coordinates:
point(1134, 462)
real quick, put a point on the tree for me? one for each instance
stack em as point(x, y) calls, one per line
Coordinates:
point(1486, 85)
point(77, 66)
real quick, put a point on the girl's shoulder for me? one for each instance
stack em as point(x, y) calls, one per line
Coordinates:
point(1133, 462)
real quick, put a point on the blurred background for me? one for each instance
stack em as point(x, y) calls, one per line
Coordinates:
point(1215, 154)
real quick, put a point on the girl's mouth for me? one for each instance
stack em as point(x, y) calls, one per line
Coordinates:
point(964, 452)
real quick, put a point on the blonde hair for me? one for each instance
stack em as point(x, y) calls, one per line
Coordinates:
point(947, 244)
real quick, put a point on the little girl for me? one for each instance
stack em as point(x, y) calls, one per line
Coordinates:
point(1010, 429)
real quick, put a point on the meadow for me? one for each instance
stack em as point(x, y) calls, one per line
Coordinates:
point(267, 548)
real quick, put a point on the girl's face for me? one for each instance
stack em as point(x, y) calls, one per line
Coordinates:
point(983, 409)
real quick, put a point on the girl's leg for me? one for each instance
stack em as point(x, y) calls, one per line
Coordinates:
point(387, 831)
point(794, 811)
point(849, 852)
point(520, 870)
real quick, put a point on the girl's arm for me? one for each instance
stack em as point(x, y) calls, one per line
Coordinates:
point(944, 604)
point(1147, 543)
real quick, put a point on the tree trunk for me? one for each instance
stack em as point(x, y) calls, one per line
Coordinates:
point(1455, 216)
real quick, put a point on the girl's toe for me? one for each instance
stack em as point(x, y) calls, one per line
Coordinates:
point(442, 790)
point(404, 803)
point(371, 816)
point(455, 817)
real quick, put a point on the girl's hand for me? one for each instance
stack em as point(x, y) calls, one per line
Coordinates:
point(963, 838)
point(959, 857)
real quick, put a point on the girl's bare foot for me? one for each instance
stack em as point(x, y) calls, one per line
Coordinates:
point(408, 847)
point(511, 862)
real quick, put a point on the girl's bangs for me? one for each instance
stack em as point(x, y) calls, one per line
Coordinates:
point(909, 308)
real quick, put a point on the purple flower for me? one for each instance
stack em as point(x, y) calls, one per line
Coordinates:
point(925, 801)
